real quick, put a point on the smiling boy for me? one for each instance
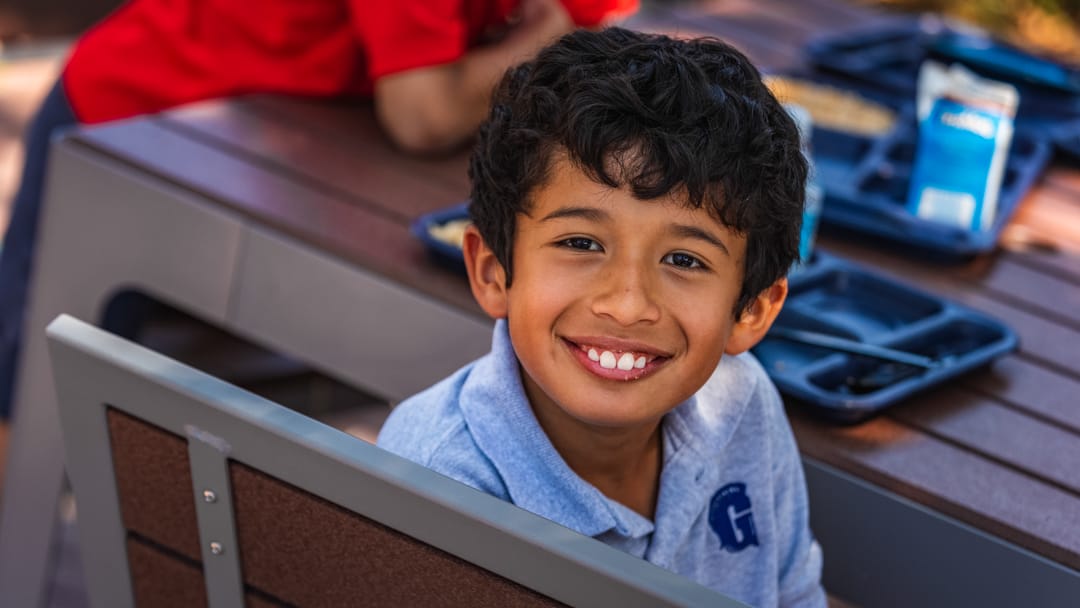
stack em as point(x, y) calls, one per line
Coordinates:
point(637, 202)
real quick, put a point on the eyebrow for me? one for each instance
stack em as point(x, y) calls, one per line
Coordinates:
point(587, 213)
point(693, 232)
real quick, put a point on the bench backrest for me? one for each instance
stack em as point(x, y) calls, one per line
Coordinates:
point(212, 496)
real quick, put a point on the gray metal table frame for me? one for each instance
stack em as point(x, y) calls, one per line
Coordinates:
point(107, 227)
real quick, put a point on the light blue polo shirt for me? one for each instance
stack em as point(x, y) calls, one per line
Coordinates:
point(731, 512)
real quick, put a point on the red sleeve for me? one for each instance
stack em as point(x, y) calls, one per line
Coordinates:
point(590, 13)
point(399, 35)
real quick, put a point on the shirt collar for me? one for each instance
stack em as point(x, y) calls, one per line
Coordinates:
point(504, 427)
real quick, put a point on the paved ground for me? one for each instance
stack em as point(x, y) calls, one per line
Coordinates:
point(26, 73)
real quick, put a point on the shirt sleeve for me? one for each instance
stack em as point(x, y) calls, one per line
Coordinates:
point(399, 35)
point(800, 558)
point(593, 13)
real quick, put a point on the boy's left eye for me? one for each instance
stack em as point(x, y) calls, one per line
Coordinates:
point(682, 260)
point(580, 242)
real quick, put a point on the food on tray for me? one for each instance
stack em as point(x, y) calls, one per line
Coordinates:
point(833, 108)
point(451, 232)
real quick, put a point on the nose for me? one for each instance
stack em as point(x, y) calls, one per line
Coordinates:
point(627, 294)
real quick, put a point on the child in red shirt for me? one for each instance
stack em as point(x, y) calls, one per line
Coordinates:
point(429, 65)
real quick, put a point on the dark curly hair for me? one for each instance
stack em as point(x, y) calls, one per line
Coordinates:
point(654, 115)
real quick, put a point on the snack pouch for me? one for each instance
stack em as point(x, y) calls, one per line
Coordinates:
point(965, 128)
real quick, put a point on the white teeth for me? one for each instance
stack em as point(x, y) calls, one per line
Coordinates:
point(610, 360)
point(607, 360)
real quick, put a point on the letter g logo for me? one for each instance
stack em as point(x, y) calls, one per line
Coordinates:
point(731, 518)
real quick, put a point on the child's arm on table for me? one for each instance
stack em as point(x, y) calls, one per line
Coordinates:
point(435, 108)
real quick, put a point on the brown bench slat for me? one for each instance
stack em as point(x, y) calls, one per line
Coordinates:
point(951, 480)
point(153, 480)
point(310, 552)
point(292, 545)
point(161, 580)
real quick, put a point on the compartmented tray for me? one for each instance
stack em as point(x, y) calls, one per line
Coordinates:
point(885, 60)
point(866, 183)
point(443, 252)
point(866, 180)
point(838, 299)
point(833, 298)
point(1067, 140)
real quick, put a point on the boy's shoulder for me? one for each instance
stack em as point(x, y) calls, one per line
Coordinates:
point(421, 424)
point(430, 429)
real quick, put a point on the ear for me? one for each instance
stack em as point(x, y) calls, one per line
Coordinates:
point(756, 320)
point(487, 278)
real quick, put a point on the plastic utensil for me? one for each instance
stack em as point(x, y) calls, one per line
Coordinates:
point(852, 346)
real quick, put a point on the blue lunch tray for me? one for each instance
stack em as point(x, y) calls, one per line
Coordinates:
point(837, 298)
point(866, 181)
point(442, 252)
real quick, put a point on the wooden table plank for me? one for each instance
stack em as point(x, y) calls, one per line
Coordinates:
point(329, 120)
point(1032, 388)
point(976, 423)
point(773, 32)
point(951, 480)
point(363, 176)
point(1065, 177)
point(1049, 214)
point(1010, 280)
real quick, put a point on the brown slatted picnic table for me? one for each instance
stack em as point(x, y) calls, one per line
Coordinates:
point(287, 221)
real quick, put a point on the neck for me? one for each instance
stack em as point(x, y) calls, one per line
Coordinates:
point(624, 464)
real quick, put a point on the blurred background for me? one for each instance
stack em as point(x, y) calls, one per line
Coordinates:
point(34, 35)
point(1046, 26)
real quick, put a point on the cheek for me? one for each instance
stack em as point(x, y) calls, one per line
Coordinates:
point(707, 328)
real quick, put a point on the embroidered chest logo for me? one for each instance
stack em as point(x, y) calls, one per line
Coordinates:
point(731, 518)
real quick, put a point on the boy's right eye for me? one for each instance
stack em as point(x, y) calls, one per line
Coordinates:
point(581, 243)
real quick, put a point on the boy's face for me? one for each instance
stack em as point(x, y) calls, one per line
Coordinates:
point(619, 309)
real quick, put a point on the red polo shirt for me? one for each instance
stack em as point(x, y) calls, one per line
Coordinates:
point(150, 55)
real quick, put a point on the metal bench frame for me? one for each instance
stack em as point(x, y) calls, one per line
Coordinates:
point(95, 370)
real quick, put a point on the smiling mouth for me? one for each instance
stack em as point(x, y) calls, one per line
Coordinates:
point(615, 363)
